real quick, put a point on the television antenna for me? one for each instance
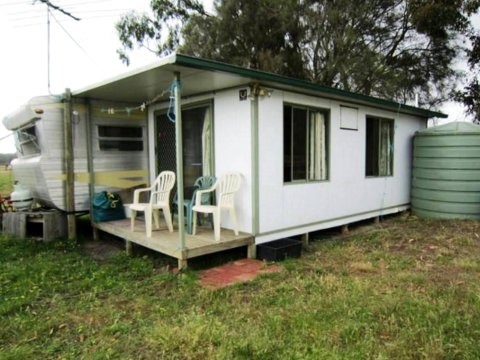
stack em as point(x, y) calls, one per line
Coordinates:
point(57, 8)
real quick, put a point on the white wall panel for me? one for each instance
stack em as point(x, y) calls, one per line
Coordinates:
point(232, 131)
point(348, 192)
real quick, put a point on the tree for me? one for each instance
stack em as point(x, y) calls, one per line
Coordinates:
point(163, 29)
point(470, 95)
point(388, 48)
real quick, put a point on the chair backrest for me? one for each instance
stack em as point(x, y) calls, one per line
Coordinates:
point(227, 186)
point(205, 182)
point(202, 183)
point(162, 186)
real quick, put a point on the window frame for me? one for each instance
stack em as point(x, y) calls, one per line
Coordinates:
point(30, 141)
point(121, 139)
point(309, 109)
point(380, 119)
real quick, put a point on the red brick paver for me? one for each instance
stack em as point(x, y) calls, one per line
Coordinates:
point(235, 272)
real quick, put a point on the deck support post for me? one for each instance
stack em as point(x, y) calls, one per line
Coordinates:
point(252, 250)
point(128, 247)
point(182, 264)
point(96, 234)
point(305, 239)
point(344, 229)
point(376, 220)
point(69, 167)
point(179, 150)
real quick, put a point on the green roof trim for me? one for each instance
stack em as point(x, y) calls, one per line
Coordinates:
point(212, 65)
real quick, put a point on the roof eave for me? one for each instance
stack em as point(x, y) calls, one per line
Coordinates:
point(212, 65)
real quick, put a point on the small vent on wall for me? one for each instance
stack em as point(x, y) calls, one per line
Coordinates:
point(348, 118)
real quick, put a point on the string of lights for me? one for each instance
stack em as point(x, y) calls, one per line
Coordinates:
point(143, 106)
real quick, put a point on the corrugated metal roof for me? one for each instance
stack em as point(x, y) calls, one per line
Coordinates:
point(201, 76)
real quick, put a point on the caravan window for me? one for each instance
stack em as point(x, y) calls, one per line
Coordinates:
point(120, 138)
point(305, 144)
point(26, 141)
point(379, 147)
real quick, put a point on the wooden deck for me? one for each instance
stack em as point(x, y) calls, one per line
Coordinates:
point(168, 243)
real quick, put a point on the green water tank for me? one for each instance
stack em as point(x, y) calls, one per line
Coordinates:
point(446, 172)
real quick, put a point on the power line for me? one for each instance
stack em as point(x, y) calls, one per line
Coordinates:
point(73, 39)
point(16, 3)
point(89, 2)
point(84, 19)
point(100, 11)
point(94, 13)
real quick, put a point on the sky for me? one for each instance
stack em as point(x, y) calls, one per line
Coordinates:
point(81, 52)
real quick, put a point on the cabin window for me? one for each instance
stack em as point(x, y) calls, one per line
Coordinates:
point(120, 138)
point(305, 140)
point(26, 141)
point(379, 147)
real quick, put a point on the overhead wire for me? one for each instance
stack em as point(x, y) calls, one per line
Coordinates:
point(15, 3)
point(89, 2)
point(73, 39)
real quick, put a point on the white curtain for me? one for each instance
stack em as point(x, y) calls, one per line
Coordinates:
point(317, 147)
point(207, 144)
point(385, 148)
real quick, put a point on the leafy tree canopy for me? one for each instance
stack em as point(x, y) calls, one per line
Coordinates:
point(387, 48)
point(470, 95)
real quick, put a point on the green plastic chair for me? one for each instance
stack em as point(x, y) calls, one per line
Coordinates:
point(202, 183)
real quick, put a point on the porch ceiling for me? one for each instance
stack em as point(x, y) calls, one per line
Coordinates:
point(147, 83)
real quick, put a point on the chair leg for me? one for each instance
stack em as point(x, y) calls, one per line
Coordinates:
point(233, 216)
point(194, 215)
point(148, 222)
point(156, 217)
point(132, 220)
point(216, 224)
point(210, 220)
point(168, 218)
point(189, 220)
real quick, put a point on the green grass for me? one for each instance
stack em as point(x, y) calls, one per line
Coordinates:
point(6, 181)
point(405, 289)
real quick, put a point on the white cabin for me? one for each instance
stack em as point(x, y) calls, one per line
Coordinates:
point(311, 157)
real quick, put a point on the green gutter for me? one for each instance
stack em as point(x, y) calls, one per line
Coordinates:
point(212, 65)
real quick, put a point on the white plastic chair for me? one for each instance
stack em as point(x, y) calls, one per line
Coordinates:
point(227, 185)
point(159, 199)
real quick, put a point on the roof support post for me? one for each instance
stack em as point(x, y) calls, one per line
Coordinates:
point(255, 165)
point(179, 150)
point(90, 165)
point(69, 167)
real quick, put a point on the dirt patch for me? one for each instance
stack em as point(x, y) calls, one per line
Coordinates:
point(101, 250)
point(235, 272)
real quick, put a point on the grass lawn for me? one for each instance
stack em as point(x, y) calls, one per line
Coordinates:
point(6, 181)
point(403, 289)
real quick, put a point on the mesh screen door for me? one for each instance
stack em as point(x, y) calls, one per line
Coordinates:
point(193, 142)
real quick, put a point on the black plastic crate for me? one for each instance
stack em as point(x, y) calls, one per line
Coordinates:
point(279, 249)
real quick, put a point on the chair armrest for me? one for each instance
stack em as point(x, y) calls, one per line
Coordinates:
point(199, 193)
point(153, 196)
point(136, 194)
